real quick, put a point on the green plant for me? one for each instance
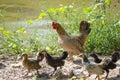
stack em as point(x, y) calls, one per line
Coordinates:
point(12, 42)
point(104, 35)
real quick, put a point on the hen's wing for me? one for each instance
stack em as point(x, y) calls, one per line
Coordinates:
point(71, 44)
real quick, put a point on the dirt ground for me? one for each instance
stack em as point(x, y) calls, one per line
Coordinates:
point(12, 69)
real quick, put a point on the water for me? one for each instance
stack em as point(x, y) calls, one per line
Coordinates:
point(23, 23)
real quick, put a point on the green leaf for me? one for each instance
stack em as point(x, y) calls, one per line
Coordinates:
point(87, 10)
point(1, 13)
point(29, 22)
point(6, 33)
point(51, 10)
point(41, 16)
point(1, 28)
point(48, 49)
point(107, 2)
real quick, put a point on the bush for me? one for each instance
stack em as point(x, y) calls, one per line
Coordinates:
point(104, 37)
point(18, 41)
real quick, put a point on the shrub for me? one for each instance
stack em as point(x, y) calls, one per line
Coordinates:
point(104, 37)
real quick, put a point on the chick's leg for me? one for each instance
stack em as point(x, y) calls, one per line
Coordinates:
point(55, 68)
point(37, 72)
point(118, 74)
point(27, 72)
point(60, 67)
point(98, 77)
point(107, 74)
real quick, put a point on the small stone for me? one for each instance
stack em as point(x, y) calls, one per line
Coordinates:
point(58, 74)
point(16, 65)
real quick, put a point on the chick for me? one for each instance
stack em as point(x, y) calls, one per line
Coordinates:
point(55, 61)
point(30, 64)
point(96, 58)
point(115, 56)
point(40, 56)
point(108, 63)
point(92, 67)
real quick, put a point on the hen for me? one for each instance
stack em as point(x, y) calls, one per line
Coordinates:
point(30, 64)
point(72, 44)
point(55, 61)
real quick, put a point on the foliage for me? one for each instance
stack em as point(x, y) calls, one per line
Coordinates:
point(105, 34)
point(1, 13)
point(17, 41)
point(104, 37)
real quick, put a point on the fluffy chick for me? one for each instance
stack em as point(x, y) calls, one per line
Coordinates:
point(93, 68)
point(96, 58)
point(115, 56)
point(108, 63)
point(30, 64)
point(40, 56)
point(55, 61)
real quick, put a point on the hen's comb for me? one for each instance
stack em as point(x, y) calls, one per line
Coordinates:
point(53, 23)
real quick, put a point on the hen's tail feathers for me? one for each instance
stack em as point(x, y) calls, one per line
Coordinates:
point(84, 25)
point(64, 55)
point(115, 56)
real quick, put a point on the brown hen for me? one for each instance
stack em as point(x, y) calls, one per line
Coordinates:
point(72, 44)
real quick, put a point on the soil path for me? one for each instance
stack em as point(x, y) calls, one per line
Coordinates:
point(11, 69)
